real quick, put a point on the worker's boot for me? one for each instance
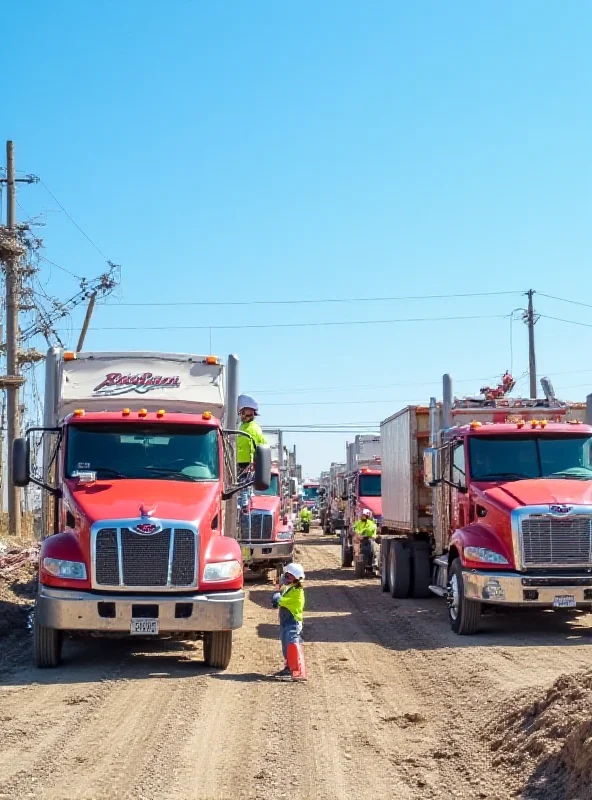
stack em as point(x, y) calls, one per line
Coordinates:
point(284, 673)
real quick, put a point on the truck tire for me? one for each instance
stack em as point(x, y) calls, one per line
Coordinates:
point(384, 565)
point(347, 551)
point(420, 570)
point(217, 649)
point(359, 568)
point(47, 645)
point(399, 568)
point(464, 615)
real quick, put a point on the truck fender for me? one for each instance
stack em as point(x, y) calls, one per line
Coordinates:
point(478, 535)
point(65, 546)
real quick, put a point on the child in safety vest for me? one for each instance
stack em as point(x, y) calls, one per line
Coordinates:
point(290, 601)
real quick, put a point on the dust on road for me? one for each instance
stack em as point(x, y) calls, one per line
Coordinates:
point(396, 706)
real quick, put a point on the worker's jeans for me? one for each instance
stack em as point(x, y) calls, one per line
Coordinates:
point(244, 496)
point(289, 632)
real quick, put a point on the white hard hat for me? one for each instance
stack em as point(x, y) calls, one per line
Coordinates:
point(245, 401)
point(366, 512)
point(296, 570)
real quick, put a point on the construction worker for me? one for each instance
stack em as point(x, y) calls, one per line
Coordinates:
point(366, 528)
point(245, 448)
point(305, 518)
point(290, 601)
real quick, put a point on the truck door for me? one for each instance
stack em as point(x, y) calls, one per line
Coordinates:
point(460, 498)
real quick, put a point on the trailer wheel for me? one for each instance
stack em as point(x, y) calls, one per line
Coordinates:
point(347, 551)
point(399, 569)
point(464, 615)
point(384, 565)
point(217, 649)
point(47, 646)
point(420, 570)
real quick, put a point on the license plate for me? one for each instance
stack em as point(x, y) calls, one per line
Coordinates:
point(564, 601)
point(144, 627)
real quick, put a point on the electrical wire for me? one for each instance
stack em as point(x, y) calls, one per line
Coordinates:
point(294, 324)
point(317, 301)
point(565, 300)
point(72, 220)
point(365, 386)
point(567, 321)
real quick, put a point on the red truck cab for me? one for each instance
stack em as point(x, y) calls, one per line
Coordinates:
point(136, 544)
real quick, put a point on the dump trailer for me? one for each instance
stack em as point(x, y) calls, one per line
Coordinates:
point(137, 498)
point(510, 518)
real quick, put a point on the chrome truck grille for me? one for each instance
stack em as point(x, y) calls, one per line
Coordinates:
point(549, 540)
point(261, 527)
point(163, 560)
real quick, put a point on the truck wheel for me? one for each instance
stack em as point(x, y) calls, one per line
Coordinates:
point(399, 569)
point(47, 646)
point(420, 570)
point(360, 567)
point(217, 649)
point(464, 614)
point(384, 565)
point(347, 551)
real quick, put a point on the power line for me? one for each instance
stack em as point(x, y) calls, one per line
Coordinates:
point(72, 220)
point(366, 386)
point(294, 324)
point(53, 264)
point(564, 300)
point(317, 301)
point(567, 321)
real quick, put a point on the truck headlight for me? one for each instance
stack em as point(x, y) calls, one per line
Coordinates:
point(222, 571)
point(484, 555)
point(76, 570)
point(282, 535)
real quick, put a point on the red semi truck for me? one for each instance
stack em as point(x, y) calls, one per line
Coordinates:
point(134, 466)
point(363, 490)
point(267, 532)
point(509, 519)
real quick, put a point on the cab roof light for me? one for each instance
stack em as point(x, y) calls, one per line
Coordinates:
point(544, 423)
point(79, 412)
point(475, 424)
point(125, 412)
point(520, 424)
point(206, 415)
point(534, 423)
point(142, 412)
point(69, 356)
point(211, 360)
point(160, 413)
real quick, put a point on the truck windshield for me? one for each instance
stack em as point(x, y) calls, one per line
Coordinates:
point(518, 457)
point(173, 452)
point(274, 487)
point(370, 485)
point(310, 492)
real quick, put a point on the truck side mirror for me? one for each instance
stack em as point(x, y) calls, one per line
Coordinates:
point(430, 467)
point(21, 462)
point(262, 467)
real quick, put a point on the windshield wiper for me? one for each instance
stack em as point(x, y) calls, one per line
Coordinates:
point(575, 476)
point(109, 471)
point(501, 476)
point(169, 473)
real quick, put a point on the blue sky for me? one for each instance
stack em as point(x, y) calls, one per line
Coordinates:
point(274, 150)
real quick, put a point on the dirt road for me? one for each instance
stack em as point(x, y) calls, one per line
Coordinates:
point(396, 706)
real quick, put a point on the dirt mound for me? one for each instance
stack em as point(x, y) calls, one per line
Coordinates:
point(18, 583)
point(545, 743)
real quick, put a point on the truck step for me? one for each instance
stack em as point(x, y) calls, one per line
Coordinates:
point(441, 561)
point(439, 590)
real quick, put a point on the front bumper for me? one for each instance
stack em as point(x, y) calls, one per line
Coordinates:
point(255, 552)
point(71, 610)
point(514, 589)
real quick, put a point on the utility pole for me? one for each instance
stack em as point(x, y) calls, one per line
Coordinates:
point(11, 252)
point(83, 332)
point(530, 321)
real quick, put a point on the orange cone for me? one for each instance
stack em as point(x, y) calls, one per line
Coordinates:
point(296, 662)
